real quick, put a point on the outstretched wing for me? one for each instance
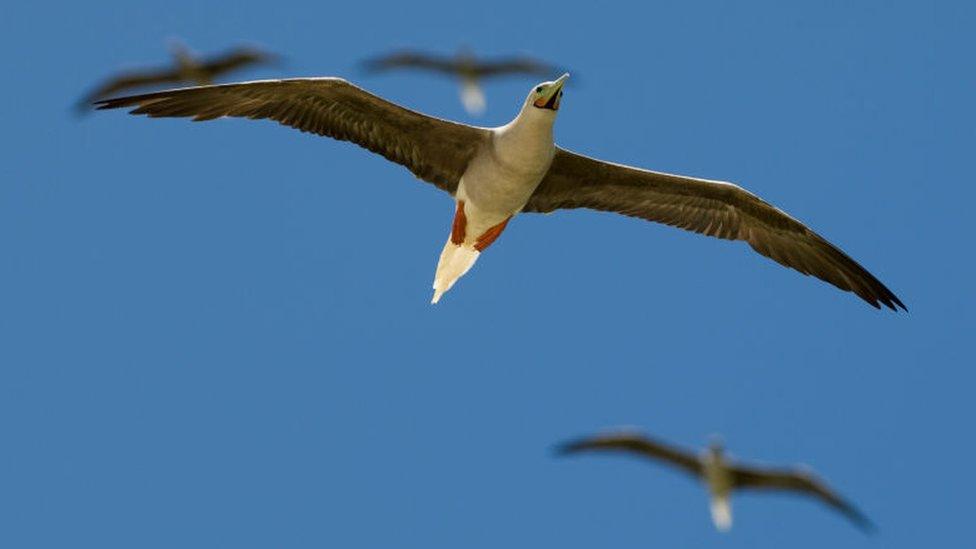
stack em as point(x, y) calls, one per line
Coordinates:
point(518, 65)
point(800, 482)
point(235, 59)
point(127, 81)
point(636, 444)
point(408, 59)
point(712, 208)
point(435, 150)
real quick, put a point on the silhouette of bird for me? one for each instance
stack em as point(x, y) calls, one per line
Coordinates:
point(721, 476)
point(186, 69)
point(495, 173)
point(465, 67)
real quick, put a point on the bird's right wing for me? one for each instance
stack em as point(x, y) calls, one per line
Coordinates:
point(636, 444)
point(435, 150)
point(801, 482)
point(127, 81)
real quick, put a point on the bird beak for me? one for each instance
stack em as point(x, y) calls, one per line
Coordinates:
point(550, 99)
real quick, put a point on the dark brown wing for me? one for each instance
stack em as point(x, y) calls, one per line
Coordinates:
point(234, 60)
point(800, 482)
point(712, 208)
point(517, 65)
point(435, 150)
point(128, 81)
point(635, 444)
point(407, 59)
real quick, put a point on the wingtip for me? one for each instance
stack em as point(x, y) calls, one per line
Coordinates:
point(892, 303)
point(863, 523)
point(567, 447)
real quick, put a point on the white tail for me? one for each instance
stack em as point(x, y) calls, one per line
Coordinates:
point(472, 97)
point(454, 262)
point(722, 513)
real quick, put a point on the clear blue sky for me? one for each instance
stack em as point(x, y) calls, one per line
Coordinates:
point(219, 335)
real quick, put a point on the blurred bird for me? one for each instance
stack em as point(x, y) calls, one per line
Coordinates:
point(186, 69)
point(495, 173)
point(720, 475)
point(466, 67)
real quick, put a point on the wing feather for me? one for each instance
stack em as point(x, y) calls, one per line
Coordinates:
point(801, 482)
point(435, 150)
point(636, 444)
point(713, 208)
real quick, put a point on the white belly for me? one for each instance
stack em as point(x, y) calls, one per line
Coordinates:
point(493, 190)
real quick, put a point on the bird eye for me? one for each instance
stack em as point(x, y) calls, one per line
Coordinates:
point(538, 90)
point(560, 93)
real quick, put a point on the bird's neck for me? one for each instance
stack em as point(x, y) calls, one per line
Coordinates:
point(527, 141)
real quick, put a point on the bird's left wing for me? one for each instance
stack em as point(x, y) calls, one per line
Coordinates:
point(801, 482)
point(636, 444)
point(712, 208)
point(435, 150)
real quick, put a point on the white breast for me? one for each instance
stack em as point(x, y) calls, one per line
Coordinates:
point(504, 174)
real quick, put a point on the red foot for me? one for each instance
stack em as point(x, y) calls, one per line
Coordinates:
point(460, 224)
point(490, 235)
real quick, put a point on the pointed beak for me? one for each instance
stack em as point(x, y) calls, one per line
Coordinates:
point(550, 99)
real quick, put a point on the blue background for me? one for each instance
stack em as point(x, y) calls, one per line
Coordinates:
point(219, 335)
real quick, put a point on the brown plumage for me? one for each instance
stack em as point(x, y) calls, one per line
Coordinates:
point(462, 65)
point(435, 150)
point(712, 208)
point(439, 151)
point(796, 480)
point(184, 70)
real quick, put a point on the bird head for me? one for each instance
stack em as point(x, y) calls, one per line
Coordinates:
point(547, 95)
point(716, 446)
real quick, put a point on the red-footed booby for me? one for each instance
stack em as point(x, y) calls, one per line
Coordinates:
point(495, 173)
point(721, 476)
point(466, 68)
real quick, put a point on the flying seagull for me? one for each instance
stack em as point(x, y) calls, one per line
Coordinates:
point(466, 67)
point(495, 173)
point(185, 69)
point(721, 476)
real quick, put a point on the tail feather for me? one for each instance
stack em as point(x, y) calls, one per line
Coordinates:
point(722, 513)
point(472, 97)
point(455, 260)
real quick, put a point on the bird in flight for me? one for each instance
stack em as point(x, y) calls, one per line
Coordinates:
point(186, 69)
point(720, 475)
point(495, 173)
point(465, 67)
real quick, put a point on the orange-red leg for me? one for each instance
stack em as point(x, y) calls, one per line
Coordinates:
point(490, 235)
point(460, 224)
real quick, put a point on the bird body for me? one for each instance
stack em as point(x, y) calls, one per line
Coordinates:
point(718, 480)
point(494, 174)
point(496, 185)
point(720, 476)
point(189, 68)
